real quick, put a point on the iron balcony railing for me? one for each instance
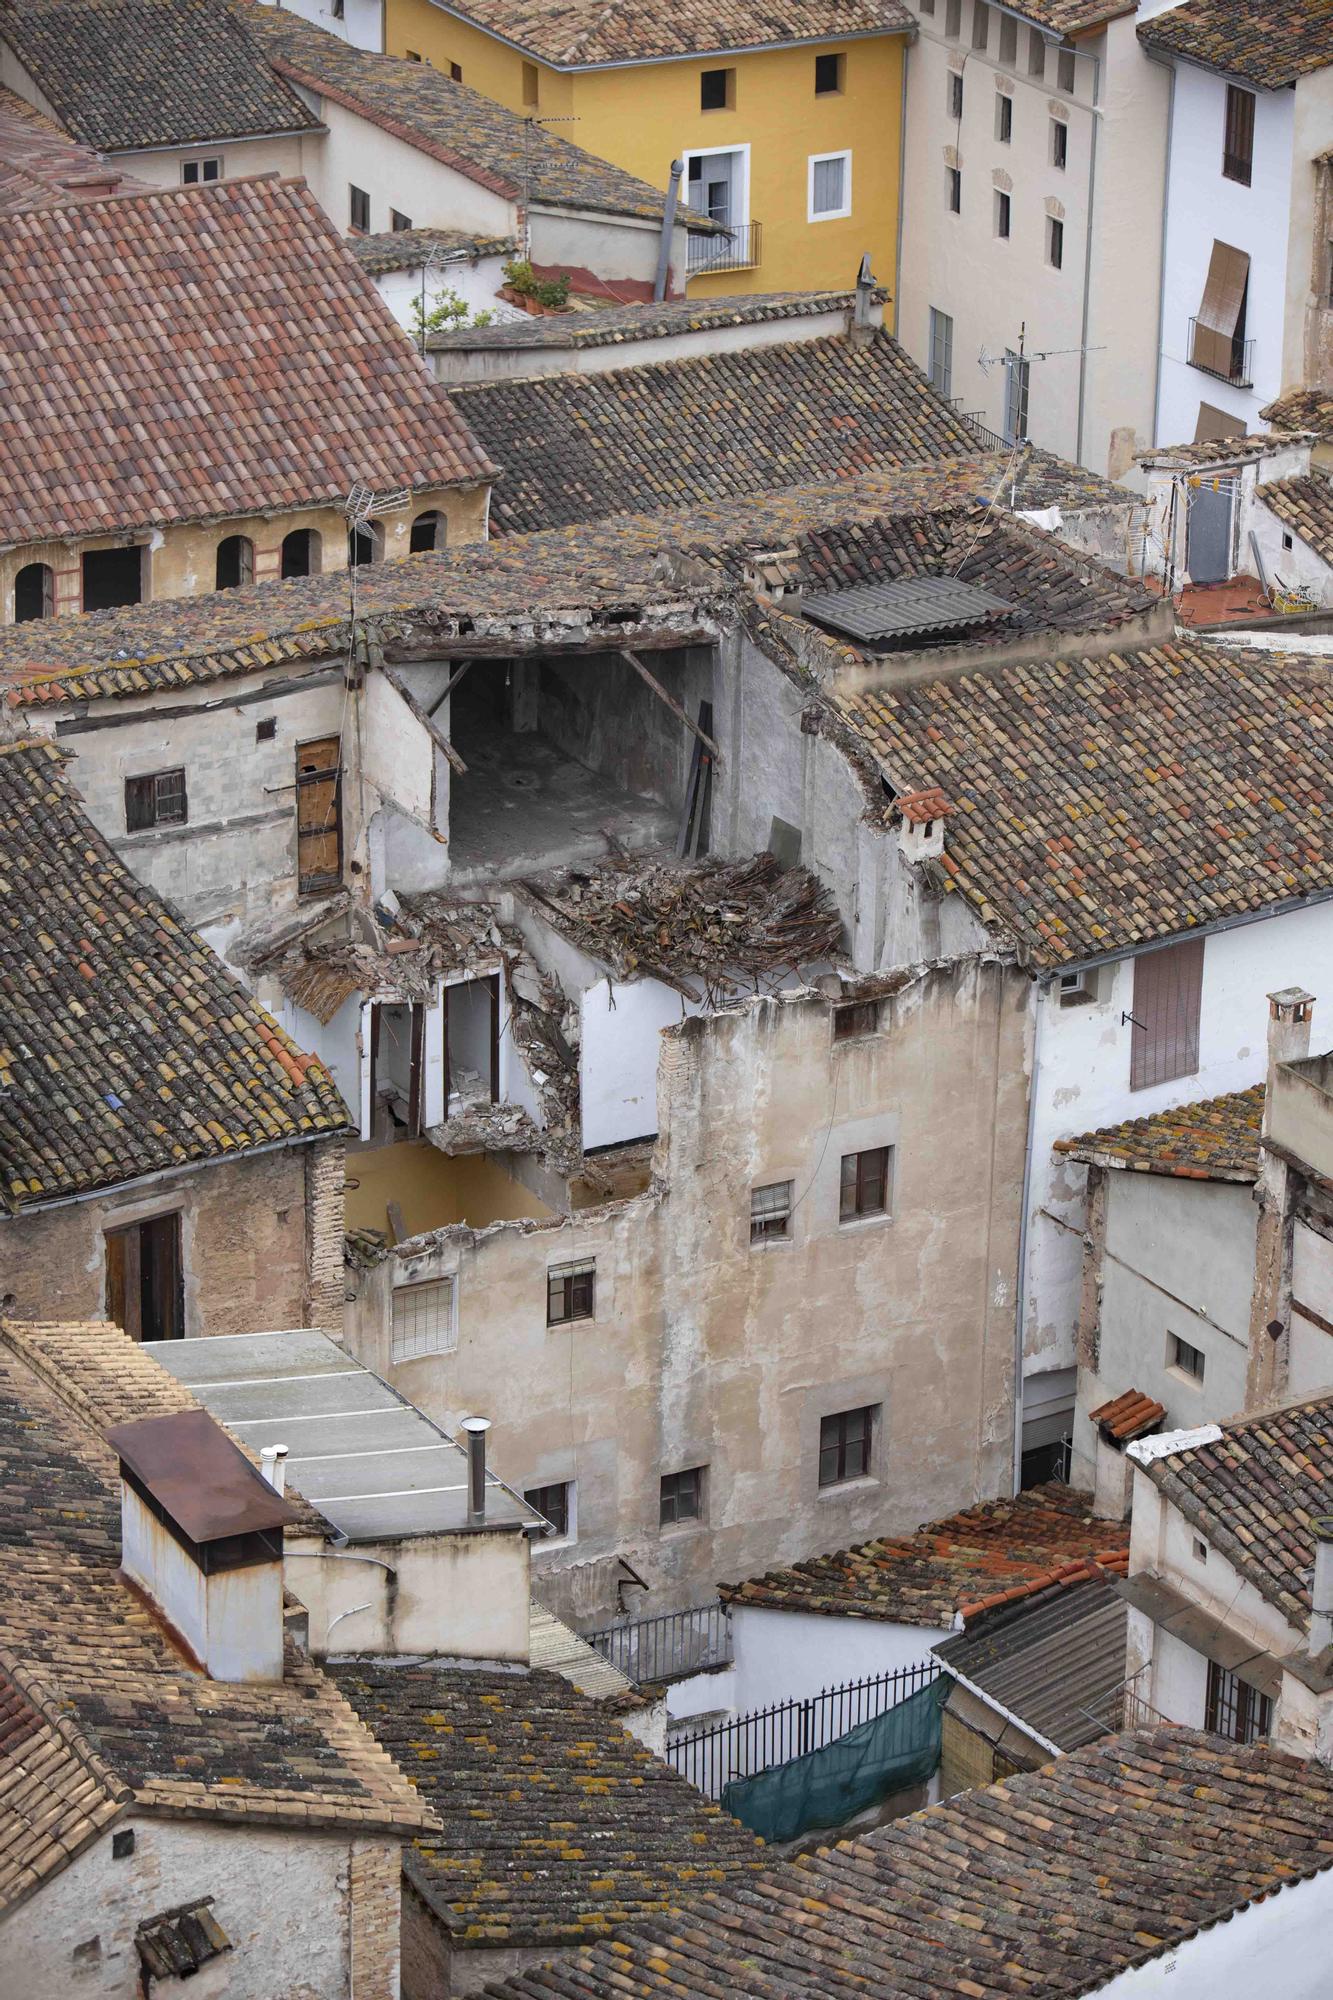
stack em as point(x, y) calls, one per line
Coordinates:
point(991, 439)
point(736, 248)
point(1229, 360)
point(669, 1647)
point(711, 1758)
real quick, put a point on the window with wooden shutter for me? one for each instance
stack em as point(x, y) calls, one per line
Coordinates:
point(319, 841)
point(1220, 325)
point(1164, 1030)
point(1238, 139)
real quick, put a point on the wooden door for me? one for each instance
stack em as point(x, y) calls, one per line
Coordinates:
point(143, 1279)
point(319, 841)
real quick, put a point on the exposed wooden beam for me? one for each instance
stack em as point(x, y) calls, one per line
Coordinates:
point(449, 687)
point(432, 729)
point(670, 701)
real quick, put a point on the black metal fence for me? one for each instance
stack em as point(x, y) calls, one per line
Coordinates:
point(670, 1647)
point(738, 247)
point(710, 1758)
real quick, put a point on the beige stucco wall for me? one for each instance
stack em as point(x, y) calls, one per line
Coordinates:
point(706, 1351)
point(462, 1595)
point(310, 1916)
point(1307, 328)
point(185, 563)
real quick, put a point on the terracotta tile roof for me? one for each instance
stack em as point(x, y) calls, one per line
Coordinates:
point(1073, 17)
point(582, 34)
point(581, 447)
point(556, 1825)
point(1217, 1140)
point(613, 326)
point(121, 74)
point(42, 167)
point(1129, 1416)
point(1254, 1493)
point(1237, 450)
point(451, 122)
point(56, 1794)
point(932, 1576)
point(404, 249)
point(105, 1378)
point(1308, 410)
point(200, 353)
point(1266, 46)
point(1101, 804)
point(113, 1686)
point(1047, 1885)
point(1052, 1654)
point(125, 1044)
point(1305, 506)
point(569, 572)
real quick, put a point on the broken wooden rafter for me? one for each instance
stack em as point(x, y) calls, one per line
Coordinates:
point(671, 702)
point(432, 729)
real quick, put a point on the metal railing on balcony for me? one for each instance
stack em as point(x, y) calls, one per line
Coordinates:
point(764, 1737)
point(736, 248)
point(1229, 359)
point(670, 1647)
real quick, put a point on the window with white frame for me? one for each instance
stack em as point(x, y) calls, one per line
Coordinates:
point(194, 172)
point(424, 1320)
point(830, 186)
point(941, 352)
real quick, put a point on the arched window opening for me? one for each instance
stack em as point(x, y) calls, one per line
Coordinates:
point(301, 552)
point(34, 593)
point(365, 543)
point(429, 532)
point(235, 562)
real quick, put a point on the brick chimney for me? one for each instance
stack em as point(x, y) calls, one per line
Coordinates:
point(201, 1536)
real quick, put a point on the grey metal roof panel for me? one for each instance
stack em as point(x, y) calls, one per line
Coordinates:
point(908, 605)
point(371, 1462)
point(1052, 1663)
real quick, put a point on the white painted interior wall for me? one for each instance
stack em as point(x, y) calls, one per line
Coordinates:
point(789, 1655)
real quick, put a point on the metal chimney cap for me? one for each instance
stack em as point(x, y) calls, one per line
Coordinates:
point(476, 1426)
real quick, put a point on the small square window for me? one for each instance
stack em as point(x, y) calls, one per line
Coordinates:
point(413, 55)
point(423, 1320)
point(156, 800)
point(1003, 212)
point(532, 85)
point(770, 1212)
point(1077, 989)
point(266, 730)
point(122, 1844)
point(1055, 243)
point(1287, 542)
point(1004, 117)
point(830, 185)
point(844, 1446)
point(953, 187)
point(557, 1504)
point(855, 1018)
point(829, 71)
point(682, 1497)
point(399, 222)
point(359, 208)
point(1184, 1357)
point(1200, 1548)
point(717, 90)
point(864, 1183)
point(1059, 143)
point(955, 93)
point(456, 72)
point(570, 1292)
point(1064, 71)
point(193, 172)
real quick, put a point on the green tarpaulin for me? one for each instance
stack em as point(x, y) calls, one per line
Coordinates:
point(829, 1786)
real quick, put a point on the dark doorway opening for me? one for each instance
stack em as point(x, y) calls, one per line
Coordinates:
point(143, 1278)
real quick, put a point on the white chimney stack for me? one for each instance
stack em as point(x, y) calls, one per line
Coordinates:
point(201, 1536)
point(273, 1465)
point(1289, 1014)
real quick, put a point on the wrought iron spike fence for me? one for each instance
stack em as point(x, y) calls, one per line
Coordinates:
point(669, 1647)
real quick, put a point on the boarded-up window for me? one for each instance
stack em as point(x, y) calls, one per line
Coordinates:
point(1220, 326)
point(1214, 423)
point(143, 1279)
point(1168, 985)
point(319, 840)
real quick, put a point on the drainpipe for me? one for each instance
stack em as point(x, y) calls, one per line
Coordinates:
point(476, 1428)
point(668, 224)
point(1020, 1314)
point(1096, 62)
point(1170, 68)
point(902, 170)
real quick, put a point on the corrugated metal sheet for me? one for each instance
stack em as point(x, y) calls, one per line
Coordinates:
point(912, 605)
point(1054, 1663)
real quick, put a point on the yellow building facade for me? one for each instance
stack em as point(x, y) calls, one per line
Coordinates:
point(794, 149)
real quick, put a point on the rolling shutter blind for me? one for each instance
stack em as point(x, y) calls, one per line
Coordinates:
point(1168, 985)
point(1220, 309)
